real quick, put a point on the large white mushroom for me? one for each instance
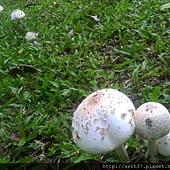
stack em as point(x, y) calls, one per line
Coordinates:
point(152, 121)
point(103, 122)
point(17, 15)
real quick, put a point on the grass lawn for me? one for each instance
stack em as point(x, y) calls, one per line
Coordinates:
point(81, 46)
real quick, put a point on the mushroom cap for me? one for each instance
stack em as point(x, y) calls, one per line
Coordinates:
point(103, 121)
point(1, 8)
point(152, 121)
point(17, 14)
point(164, 145)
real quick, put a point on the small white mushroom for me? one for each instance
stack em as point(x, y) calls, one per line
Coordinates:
point(107, 130)
point(152, 123)
point(164, 145)
point(1, 8)
point(17, 15)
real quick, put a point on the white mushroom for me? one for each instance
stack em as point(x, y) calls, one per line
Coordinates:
point(103, 122)
point(152, 122)
point(164, 145)
point(17, 15)
point(1, 8)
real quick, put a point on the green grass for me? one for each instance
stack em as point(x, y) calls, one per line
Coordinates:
point(128, 49)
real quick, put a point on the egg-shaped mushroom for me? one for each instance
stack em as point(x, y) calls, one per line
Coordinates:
point(103, 122)
point(152, 121)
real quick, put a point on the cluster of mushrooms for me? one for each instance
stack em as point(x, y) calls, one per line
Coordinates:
point(15, 14)
point(107, 118)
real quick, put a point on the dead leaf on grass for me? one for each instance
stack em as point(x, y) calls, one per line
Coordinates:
point(95, 17)
point(31, 35)
point(71, 33)
point(15, 136)
point(20, 51)
point(23, 68)
point(37, 43)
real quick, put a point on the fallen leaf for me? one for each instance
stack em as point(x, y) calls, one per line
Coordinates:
point(23, 68)
point(37, 43)
point(71, 33)
point(95, 17)
point(15, 136)
point(31, 35)
point(39, 143)
point(20, 51)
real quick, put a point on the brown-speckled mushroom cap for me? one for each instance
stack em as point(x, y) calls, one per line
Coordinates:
point(152, 121)
point(103, 121)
